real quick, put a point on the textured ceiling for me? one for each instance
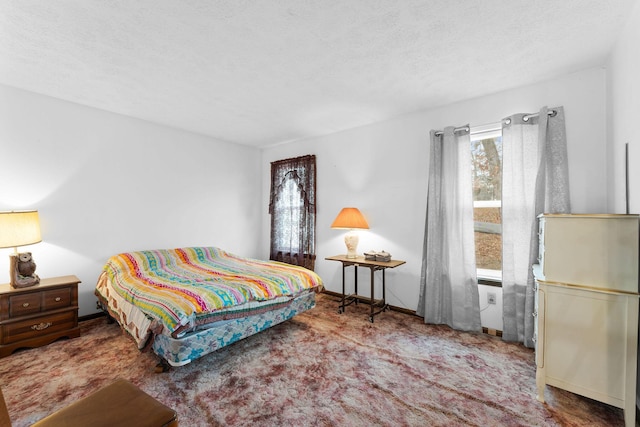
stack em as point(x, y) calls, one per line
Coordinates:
point(261, 72)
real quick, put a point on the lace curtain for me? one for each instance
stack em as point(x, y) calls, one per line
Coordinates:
point(292, 205)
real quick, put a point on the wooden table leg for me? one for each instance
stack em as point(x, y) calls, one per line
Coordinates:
point(372, 300)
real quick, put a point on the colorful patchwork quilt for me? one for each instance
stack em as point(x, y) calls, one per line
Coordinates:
point(182, 288)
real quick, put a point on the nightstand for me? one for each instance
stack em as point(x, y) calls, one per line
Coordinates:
point(38, 315)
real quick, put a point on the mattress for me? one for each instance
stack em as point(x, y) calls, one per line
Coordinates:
point(191, 346)
point(176, 292)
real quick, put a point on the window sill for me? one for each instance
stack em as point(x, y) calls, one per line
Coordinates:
point(489, 277)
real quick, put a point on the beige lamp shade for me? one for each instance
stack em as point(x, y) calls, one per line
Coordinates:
point(19, 228)
point(350, 218)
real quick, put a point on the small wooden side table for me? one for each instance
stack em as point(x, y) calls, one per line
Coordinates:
point(374, 266)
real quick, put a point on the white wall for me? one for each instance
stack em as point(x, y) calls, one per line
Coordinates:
point(382, 169)
point(622, 117)
point(105, 183)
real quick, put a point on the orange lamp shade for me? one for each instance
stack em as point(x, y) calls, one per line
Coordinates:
point(350, 218)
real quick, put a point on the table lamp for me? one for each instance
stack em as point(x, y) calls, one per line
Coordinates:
point(20, 228)
point(350, 218)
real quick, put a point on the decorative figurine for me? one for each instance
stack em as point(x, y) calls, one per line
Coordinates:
point(23, 271)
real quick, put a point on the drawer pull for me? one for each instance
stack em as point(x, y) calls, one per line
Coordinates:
point(25, 304)
point(41, 326)
point(58, 299)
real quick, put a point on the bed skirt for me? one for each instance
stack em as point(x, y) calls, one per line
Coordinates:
point(180, 351)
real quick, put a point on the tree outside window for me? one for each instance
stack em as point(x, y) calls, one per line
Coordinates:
point(486, 157)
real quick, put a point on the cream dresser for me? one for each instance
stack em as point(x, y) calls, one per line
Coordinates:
point(586, 301)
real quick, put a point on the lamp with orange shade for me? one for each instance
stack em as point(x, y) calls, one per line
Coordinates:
point(351, 219)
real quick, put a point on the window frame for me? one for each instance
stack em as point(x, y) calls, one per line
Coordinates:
point(477, 133)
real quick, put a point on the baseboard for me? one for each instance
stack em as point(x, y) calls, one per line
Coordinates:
point(91, 316)
point(493, 332)
point(488, 331)
point(366, 300)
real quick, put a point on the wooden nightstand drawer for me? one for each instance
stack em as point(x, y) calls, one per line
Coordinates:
point(58, 298)
point(38, 326)
point(22, 305)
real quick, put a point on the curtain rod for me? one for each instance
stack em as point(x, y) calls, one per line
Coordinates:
point(526, 117)
point(550, 113)
point(460, 129)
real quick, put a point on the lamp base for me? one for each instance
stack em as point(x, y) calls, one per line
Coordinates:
point(351, 239)
point(22, 270)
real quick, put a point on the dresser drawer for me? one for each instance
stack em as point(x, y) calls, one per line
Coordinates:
point(598, 251)
point(38, 326)
point(57, 298)
point(22, 305)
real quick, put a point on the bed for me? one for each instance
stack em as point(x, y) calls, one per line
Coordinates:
point(185, 303)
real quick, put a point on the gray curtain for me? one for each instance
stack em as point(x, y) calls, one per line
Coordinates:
point(448, 283)
point(535, 180)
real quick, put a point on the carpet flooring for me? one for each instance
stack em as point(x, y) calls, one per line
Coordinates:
point(320, 368)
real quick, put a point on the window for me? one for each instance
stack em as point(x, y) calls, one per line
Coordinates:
point(293, 211)
point(486, 171)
